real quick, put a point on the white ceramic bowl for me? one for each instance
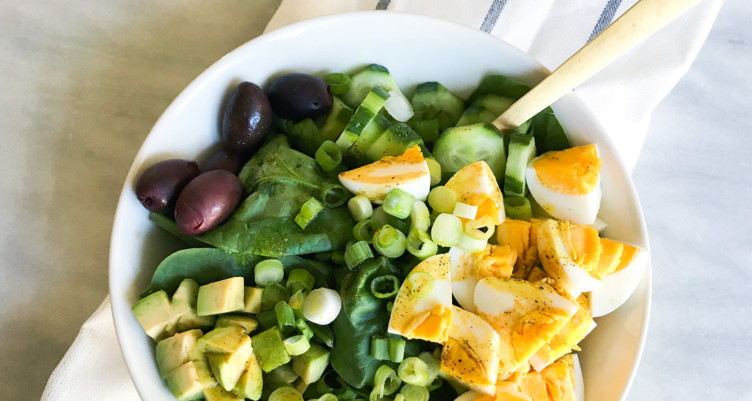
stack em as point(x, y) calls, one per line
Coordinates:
point(422, 49)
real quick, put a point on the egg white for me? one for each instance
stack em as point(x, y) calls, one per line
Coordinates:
point(580, 209)
point(617, 287)
point(417, 186)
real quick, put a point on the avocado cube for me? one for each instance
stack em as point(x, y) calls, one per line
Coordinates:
point(184, 306)
point(173, 352)
point(188, 381)
point(246, 322)
point(300, 385)
point(251, 382)
point(227, 368)
point(219, 394)
point(252, 299)
point(311, 364)
point(222, 339)
point(270, 349)
point(221, 297)
point(155, 314)
point(281, 375)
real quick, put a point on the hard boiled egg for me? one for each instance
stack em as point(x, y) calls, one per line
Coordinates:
point(423, 307)
point(621, 283)
point(566, 183)
point(408, 172)
point(525, 315)
point(468, 268)
point(476, 185)
point(522, 236)
point(471, 354)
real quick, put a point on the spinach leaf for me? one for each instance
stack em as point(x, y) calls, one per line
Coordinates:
point(164, 222)
point(320, 271)
point(362, 316)
point(548, 132)
point(500, 85)
point(205, 265)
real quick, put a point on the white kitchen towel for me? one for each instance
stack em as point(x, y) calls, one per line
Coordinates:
point(623, 96)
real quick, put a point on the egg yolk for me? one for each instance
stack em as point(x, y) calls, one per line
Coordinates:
point(572, 171)
point(610, 256)
point(582, 243)
point(476, 185)
point(458, 360)
point(431, 325)
point(390, 169)
point(496, 261)
point(518, 234)
point(627, 256)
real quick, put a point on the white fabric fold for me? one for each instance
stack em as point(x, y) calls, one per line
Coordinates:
point(622, 96)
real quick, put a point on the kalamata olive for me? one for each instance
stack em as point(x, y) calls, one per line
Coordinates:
point(247, 118)
point(298, 96)
point(159, 186)
point(207, 201)
point(224, 160)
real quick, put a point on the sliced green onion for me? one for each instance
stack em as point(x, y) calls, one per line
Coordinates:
point(267, 320)
point(272, 294)
point(386, 286)
point(328, 397)
point(308, 212)
point(483, 228)
point(338, 257)
point(436, 383)
point(285, 394)
point(300, 279)
point(398, 203)
point(434, 364)
point(470, 244)
point(360, 207)
point(419, 244)
point(269, 271)
point(297, 299)
point(446, 230)
point(442, 199)
point(357, 253)
point(465, 211)
point(379, 348)
point(322, 333)
point(303, 328)
point(389, 242)
point(365, 230)
point(338, 82)
point(380, 215)
point(420, 217)
point(414, 393)
point(413, 371)
point(322, 306)
point(285, 318)
point(396, 349)
point(297, 344)
point(385, 382)
point(434, 168)
point(328, 156)
point(518, 208)
point(334, 195)
point(420, 284)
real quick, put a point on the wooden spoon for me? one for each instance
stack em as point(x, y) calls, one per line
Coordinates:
point(639, 22)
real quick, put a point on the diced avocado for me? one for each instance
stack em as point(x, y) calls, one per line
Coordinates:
point(172, 352)
point(270, 349)
point(311, 364)
point(155, 314)
point(184, 304)
point(485, 109)
point(227, 368)
point(222, 339)
point(281, 375)
point(217, 393)
point(246, 322)
point(393, 142)
point(300, 385)
point(188, 381)
point(252, 299)
point(221, 297)
point(251, 382)
point(286, 393)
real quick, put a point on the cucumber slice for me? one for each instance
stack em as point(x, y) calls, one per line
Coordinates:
point(459, 146)
point(485, 109)
point(499, 85)
point(361, 83)
point(521, 152)
point(336, 121)
point(393, 142)
point(434, 101)
point(366, 112)
point(356, 155)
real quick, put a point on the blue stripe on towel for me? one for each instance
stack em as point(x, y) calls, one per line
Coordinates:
point(607, 15)
point(383, 4)
point(492, 15)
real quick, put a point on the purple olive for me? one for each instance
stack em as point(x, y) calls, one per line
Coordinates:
point(224, 160)
point(298, 96)
point(207, 201)
point(159, 186)
point(247, 118)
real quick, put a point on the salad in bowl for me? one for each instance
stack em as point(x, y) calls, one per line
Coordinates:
point(347, 237)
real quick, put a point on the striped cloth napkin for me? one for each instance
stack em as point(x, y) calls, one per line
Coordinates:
point(548, 30)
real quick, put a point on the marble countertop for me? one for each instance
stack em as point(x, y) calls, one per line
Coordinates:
point(82, 85)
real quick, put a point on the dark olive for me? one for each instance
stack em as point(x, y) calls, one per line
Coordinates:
point(298, 96)
point(207, 201)
point(159, 186)
point(247, 118)
point(224, 160)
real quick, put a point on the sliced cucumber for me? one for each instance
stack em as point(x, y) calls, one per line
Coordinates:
point(393, 142)
point(356, 155)
point(336, 121)
point(521, 152)
point(485, 109)
point(433, 102)
point(366, 112)
point(459, 146)
point(499, 85)
point(362, 82)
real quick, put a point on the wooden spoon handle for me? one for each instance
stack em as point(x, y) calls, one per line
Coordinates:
point(639, 22)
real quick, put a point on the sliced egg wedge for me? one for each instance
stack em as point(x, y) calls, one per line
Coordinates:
point(476, 185)
point(471, 354)
point(408, 172)
point(423, 307)
point(525, 315)
point(566, 183)
point(620, 284)
point(521, 236)
point(468, 268)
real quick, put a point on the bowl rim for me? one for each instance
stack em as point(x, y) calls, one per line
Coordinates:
point(226, 61)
